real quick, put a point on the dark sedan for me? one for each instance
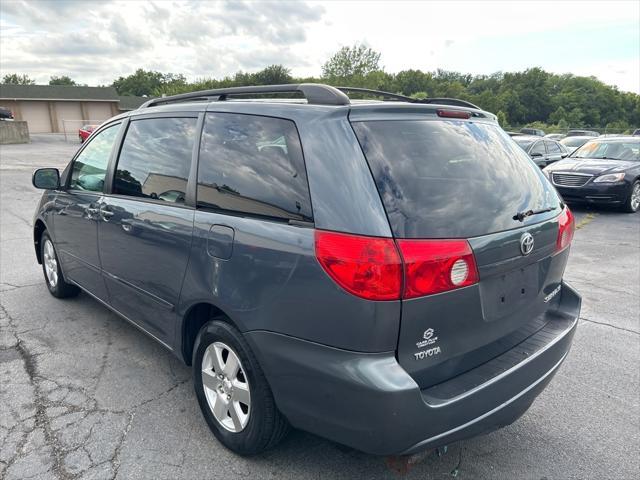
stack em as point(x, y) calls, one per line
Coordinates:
point(602, 171)
point(542, 151)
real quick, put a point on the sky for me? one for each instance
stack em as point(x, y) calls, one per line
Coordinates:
point(96, 42)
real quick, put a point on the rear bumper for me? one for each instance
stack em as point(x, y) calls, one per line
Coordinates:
point(369, 402)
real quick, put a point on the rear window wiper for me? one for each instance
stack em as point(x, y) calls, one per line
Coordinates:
point(520, 216)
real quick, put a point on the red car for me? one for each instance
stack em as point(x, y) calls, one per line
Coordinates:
point(85, 131)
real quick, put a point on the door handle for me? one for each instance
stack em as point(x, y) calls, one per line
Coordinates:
point(105, 212)
point(91, 211)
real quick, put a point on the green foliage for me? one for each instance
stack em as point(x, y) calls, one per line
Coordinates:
point(15, 79)
point(144, 82)
point(273, 75)
point(532, 97)
point(62, 80)
point(351, 62)
point(502, 118)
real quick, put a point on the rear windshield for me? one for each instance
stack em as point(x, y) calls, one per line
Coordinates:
point(452, 179)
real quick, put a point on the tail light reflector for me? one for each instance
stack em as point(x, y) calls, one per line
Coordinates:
point(367, 267)
point(566, 229)
point(434, 266)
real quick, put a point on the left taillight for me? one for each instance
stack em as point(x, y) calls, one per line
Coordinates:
point(566, 229)
point(368, 267)
point(381, 269)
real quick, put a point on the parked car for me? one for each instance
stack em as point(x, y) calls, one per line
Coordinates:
point(397, 288)
point(555, 136)
point(636, 132)
point(542, 151)
point(602, 171)
point(571, 144)
point(6, 114)
point(582, 133)
point(85, 131)
point(532, 131)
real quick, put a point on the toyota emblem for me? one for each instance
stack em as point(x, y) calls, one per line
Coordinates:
point(526, 243)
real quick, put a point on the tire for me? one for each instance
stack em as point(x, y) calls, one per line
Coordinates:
point(53, 277)
point(632, 205)
point(258, 425)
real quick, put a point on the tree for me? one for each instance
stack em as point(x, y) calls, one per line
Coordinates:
point(502, 118)
point(63, 80)
point(273, 75)
point(15, 79)
point(144, 82)
point(358, 60)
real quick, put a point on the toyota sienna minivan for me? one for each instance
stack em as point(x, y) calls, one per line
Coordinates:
point(385, 274)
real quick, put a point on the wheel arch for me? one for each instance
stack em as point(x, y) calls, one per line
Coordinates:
point(194, 318)
point(38, 228)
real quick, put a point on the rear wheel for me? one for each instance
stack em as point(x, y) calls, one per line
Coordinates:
point(633, 202)
point(233, 393)
point(53, 276)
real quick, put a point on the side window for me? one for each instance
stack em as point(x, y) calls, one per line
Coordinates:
point(253, 165)
point(90, 167)
point(553, 147)
point(538, 148)
point(155, 159)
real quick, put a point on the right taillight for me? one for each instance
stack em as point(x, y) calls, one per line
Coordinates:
point(435, 266)
point(566, 228)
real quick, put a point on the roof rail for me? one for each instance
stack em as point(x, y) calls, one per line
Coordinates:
point(454, 102)
point(396, 96)
point(315, 93)
point(379, 93)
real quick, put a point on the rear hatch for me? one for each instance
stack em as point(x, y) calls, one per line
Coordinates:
point(448, 178)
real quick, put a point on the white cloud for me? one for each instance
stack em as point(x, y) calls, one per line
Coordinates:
point(97, 42)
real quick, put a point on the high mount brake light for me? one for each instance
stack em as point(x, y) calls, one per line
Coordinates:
point(375, 268)
point(453, 113)
point(566, 229)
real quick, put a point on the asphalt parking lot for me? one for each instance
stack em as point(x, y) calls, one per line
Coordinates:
point(85, 395)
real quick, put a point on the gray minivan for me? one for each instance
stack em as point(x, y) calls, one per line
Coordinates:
point(385, 274)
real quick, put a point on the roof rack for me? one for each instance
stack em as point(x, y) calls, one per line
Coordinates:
point(403, 98)
point(315, 93)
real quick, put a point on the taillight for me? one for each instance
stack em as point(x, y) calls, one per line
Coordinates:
point(373, 268)
point(566, 228)
point(368, 267)
point(434, 266)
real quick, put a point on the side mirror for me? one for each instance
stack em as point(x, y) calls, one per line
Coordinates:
point(46, 178)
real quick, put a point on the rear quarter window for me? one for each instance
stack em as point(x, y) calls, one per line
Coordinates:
point(452, 179)
point(253, 165)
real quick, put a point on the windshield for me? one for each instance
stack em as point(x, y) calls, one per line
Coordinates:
point(452, 179)
point(523, 142)
point(610, 150)
point(573, 141)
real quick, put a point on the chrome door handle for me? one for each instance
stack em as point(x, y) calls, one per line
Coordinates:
point(104, 213)
point(91, 211)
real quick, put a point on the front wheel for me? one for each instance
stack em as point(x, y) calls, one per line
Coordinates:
point(633, 202)
point(233, 393)
point(53, 276)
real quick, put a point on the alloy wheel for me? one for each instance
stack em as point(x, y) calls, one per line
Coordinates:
point(50, 263)
point(635, 196)
point(226, 387)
